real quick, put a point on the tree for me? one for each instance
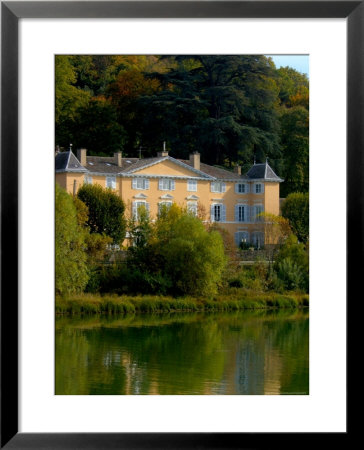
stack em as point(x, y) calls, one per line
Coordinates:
point(295, 150)
point(224, 105)
point(68, 98)
point(295, 208)
point(71, 260)
point(175, 254)
point(292, 264)
point(96, 128)
point(106, 211)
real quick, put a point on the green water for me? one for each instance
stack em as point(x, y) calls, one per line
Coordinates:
point(196, 353)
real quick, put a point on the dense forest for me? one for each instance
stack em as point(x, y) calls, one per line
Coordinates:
point(232, 109)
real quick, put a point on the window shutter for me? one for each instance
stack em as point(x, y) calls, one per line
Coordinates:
point(114, 183)
point(160, 184)
point(212, 213)
point(223, 213)
point(237, 238)
point(134, 209)
point(262, 187)
point(147, 207)
point(236, 213)
point(172, 185)
point(212, 187)
point(147, 183)
point(223, 187)
point(247, 215)
point(134, 183)
point(247, 188)
point(236, 189)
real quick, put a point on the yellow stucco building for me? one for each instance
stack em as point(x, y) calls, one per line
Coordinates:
point(217, 195)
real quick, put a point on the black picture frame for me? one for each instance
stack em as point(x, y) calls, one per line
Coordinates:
point(11, 12)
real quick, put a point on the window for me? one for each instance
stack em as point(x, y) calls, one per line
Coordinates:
point(218, 212)
point(241, 237)
point(140, 183)
point(258, 188)
point(241, 188)
point(138, 207)
point(258, 239)
point(164, 206)
point(218, 186)
point(241, 213)
point(192, 185)
point(166, 184)
point(111, 182)
point(192, 208)
point(258, 209)
point(88, 179)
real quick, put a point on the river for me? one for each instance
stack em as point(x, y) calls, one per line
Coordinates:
point(246, 353)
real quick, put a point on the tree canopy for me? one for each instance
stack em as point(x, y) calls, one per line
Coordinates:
point(231, 108)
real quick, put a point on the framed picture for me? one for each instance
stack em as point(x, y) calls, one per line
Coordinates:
point(206, 18)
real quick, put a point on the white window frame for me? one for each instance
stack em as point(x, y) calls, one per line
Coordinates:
point(111, 179)
point(138, 203)
point(192, 185)
point(170, 182)
point(164, 203)
point(87, 179)
point(144, 184)
point(218, 187)
point(192, 207)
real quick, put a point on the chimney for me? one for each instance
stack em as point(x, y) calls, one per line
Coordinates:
point(118, 159)
point(81, 156)
point(237, 169)
point(164, 152)
point(195, 160)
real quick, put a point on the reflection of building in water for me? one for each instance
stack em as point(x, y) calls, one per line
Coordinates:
point(273, 369)
point(249, 372)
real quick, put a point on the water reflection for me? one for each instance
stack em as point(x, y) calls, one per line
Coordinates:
point(195, 353)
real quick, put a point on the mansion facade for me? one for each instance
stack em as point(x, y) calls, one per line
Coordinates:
point(231, 199)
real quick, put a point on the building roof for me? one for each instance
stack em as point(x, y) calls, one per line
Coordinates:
point(263, 172)
point(216, 172)
point(67, 162)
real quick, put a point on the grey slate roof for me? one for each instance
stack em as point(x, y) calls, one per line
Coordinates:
point(67, 162)
point(216, 172)
point(263, 171)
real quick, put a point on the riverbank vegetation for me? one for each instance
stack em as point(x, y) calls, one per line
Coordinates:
point(176, 262)
point(234, 300)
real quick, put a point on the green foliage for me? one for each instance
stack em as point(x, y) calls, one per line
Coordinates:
point(292, 264)
point(296, 209)
point(175, 254)
point(290, 274)
point(106, 212)
point(295, 149)
point(71, 259)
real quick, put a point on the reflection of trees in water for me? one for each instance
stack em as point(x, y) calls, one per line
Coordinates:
point(225, 353)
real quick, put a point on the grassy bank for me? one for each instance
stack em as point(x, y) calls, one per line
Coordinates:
point(235, 300)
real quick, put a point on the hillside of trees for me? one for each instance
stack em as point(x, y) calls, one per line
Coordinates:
point(232, 109)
